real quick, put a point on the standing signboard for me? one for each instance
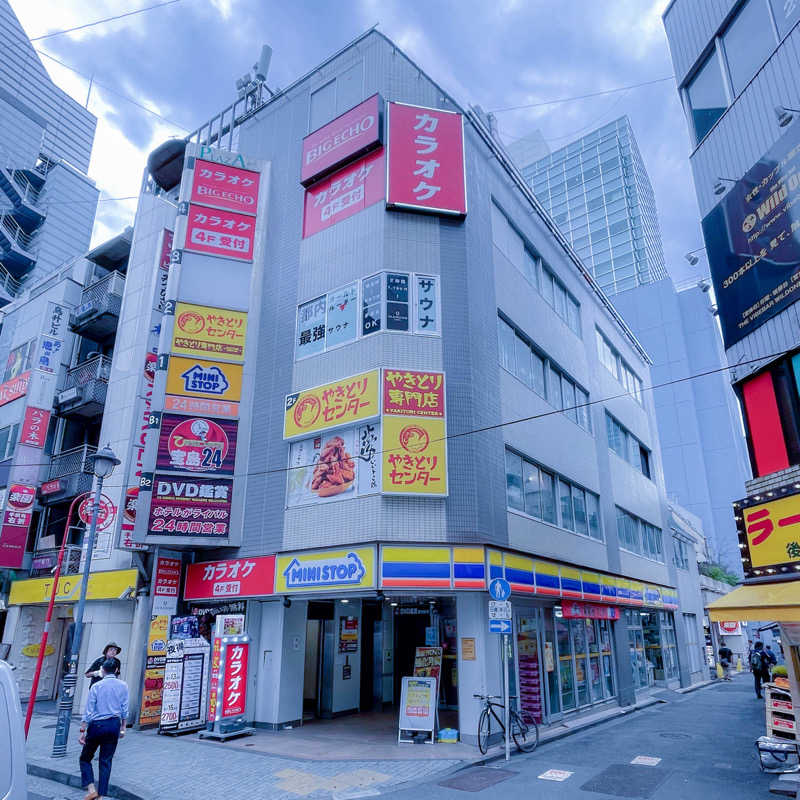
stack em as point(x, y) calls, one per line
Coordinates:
point(417, 709)
point(185, 681)
point(225, 625)
point(155, 662)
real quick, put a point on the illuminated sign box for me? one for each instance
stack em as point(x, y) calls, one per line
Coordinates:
point(769, 534)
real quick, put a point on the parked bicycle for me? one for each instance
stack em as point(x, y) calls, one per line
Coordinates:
point(524, 731)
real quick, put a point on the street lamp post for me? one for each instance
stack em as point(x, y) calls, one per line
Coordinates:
point(49, 616)
point(104, 463)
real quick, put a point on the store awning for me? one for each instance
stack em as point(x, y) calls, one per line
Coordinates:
point(767, 602)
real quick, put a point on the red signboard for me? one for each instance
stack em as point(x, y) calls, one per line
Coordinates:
point(21, 497)
point(225, 187)
point(34, 427)
point(426, 160)
point(16, 522)
point(214, 232)
point(410, 393)
point(234, 685)
point(195, 405)
point(344, 193)
point(190, 506)
point(196, 444)
point(14, 388)
point(573, 610)
point(167, 578)
point(50, 487)
point(106, 512)
point(216, 655)
point(352, 134)
point(166, 250)
point(239, 577)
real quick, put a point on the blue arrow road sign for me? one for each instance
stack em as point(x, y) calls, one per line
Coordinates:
point(499, 589)
point(499, 626)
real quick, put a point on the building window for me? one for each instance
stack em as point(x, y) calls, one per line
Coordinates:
point(627, 446)
point(748, 42)
point(532, 488)
point(535, 272)
point(787, 14)
point(8, 440)
point(680, 552)
point(610, 358)
point(692, 642)
point(638, 536)
point(707, 98)
point(522, 359)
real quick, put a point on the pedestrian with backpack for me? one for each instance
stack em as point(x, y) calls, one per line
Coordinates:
point(725, 659)
point(759, 666)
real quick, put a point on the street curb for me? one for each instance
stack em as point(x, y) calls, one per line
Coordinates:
point(39, 771)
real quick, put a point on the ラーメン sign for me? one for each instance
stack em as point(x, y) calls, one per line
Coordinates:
point(332, 405)
point(209, 332)
point(321, 570)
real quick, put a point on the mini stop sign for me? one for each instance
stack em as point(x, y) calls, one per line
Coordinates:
point(105, 513)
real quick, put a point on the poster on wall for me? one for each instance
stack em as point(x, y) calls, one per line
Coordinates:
point(753, 241)
point(190, 506)
point(414, 456)
point(426, 169)
point(335, 466)
point(196, 444)
point(348, 634)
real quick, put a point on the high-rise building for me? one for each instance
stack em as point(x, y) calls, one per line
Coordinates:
point(738, 75)
point(598, 192)
point(47, 201)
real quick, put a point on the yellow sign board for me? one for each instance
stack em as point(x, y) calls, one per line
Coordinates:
point(414, 456)
point(209, 332)
point(32, 650)
point(773, 532)
point(197, 377)
point(335, 404)
point(347, 569)
point(113, 585)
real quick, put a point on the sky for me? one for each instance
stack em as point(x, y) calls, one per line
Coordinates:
point(181, 62)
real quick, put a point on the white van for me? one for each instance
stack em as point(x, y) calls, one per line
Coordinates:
point(13, 772)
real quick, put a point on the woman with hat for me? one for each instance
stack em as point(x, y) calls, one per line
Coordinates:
point(110, 651)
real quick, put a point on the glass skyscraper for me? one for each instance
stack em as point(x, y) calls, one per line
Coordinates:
point(598, 192)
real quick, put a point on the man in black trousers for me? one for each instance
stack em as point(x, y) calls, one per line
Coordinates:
point(103, 724)
point(759, 664)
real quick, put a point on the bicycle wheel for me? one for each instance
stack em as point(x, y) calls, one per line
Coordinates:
point(526, 736)
point(484, 731)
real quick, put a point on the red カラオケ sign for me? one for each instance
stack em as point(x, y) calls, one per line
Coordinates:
point(234, 685)
point(225, 187)
point(238, 577)
point(214, 232)
point(426, 160)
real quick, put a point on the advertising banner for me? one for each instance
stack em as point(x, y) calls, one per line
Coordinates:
point(418, 698)
point(348, 634)
point(214, 232)
point(340, 403)
point(732, 628)
point(185, 682)
point(163, 270)
point(238, 577)
point(753, 241)
point(49, 356)
point(348, 136)
point(411, 393)
point(110, 585)
point(414, 456)
point(769, 533)
point(16, 523)
point(426, 160)
point(209, 332)
point(156, 659)
point(327, 321)
point(34, 427)
point(226, 187)
point(14, 388)
point(198, 378)
point(324, 570)
point(196, 444)
point(428, 662)
point(166, 585)
point(234, 683)
point(192, 405)
point(345, 193)
point(426, 320)
point(335, 466)
point(190, 507)
point(55, 321)
point(574, 610)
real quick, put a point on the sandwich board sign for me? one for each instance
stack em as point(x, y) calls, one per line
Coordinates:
point(418, 700)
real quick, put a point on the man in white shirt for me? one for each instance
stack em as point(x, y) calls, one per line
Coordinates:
point(103, 724)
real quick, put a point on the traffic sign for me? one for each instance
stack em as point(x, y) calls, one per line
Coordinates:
point(499, 609)
point(499, 626)
point(499, 589)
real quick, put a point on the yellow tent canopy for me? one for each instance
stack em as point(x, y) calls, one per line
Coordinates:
point(773, 602)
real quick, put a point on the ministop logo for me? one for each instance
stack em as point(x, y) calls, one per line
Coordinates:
point(346, 571)
point(211, 380)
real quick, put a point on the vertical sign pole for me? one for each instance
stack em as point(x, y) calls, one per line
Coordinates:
point(507, 699)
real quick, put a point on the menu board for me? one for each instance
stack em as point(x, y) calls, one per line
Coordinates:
point(185, 682)
point(417, 708)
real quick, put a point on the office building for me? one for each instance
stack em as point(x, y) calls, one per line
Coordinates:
point(399, 391)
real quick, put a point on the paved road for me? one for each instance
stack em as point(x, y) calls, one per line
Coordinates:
point(704, 740)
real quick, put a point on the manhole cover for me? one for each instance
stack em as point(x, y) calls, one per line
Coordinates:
point(477, 779)
point(675, 735)
point(626, 780)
